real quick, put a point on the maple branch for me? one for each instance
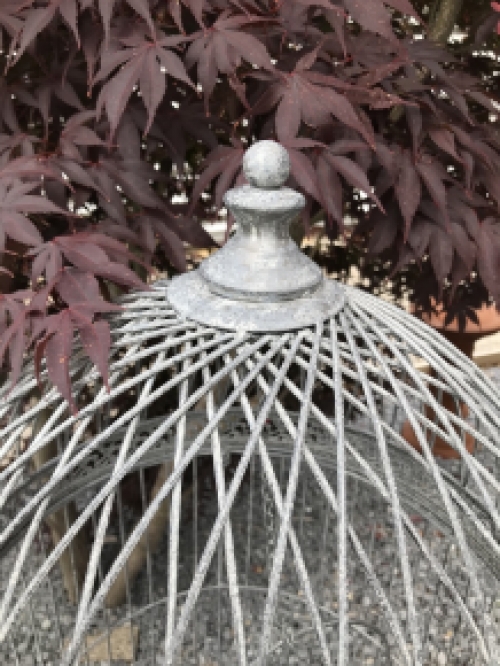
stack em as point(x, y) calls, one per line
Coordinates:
point(9, 261)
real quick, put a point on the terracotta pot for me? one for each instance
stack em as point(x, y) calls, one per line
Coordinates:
point(489, 322)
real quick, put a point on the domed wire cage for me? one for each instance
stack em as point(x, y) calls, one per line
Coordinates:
point(243, 494)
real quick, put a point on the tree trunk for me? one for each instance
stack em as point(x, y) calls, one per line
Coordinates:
point(149, 541)
point(444, 16)
point(74, 560)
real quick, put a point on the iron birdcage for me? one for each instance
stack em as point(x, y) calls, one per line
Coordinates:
point(242, 494)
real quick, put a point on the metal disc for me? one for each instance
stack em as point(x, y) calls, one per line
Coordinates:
point(191, 297)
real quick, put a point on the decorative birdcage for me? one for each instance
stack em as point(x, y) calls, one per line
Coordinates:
point(242, 494)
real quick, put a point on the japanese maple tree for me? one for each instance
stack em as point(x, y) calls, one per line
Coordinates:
point(111, 111)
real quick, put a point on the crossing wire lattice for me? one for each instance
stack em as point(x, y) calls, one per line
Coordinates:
point(243, 495)
point(311, 420)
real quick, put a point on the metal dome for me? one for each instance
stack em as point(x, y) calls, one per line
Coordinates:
point(311, 529)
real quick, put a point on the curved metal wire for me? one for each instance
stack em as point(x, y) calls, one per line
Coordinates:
point(353, 369)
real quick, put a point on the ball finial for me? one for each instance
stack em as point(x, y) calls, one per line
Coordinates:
point(266, 164)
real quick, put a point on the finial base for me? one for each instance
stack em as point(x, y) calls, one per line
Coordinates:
point(191, 297)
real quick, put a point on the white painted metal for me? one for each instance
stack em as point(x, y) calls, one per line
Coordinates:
point(324, 536)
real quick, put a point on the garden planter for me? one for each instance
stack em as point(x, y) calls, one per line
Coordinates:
point(489, 322)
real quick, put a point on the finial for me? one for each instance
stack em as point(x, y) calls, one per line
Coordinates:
point(259, 280)
point(266, 164)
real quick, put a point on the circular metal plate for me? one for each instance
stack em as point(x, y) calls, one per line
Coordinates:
point(191, 297)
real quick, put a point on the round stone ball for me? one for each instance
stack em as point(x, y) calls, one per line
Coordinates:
point(266, 164)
